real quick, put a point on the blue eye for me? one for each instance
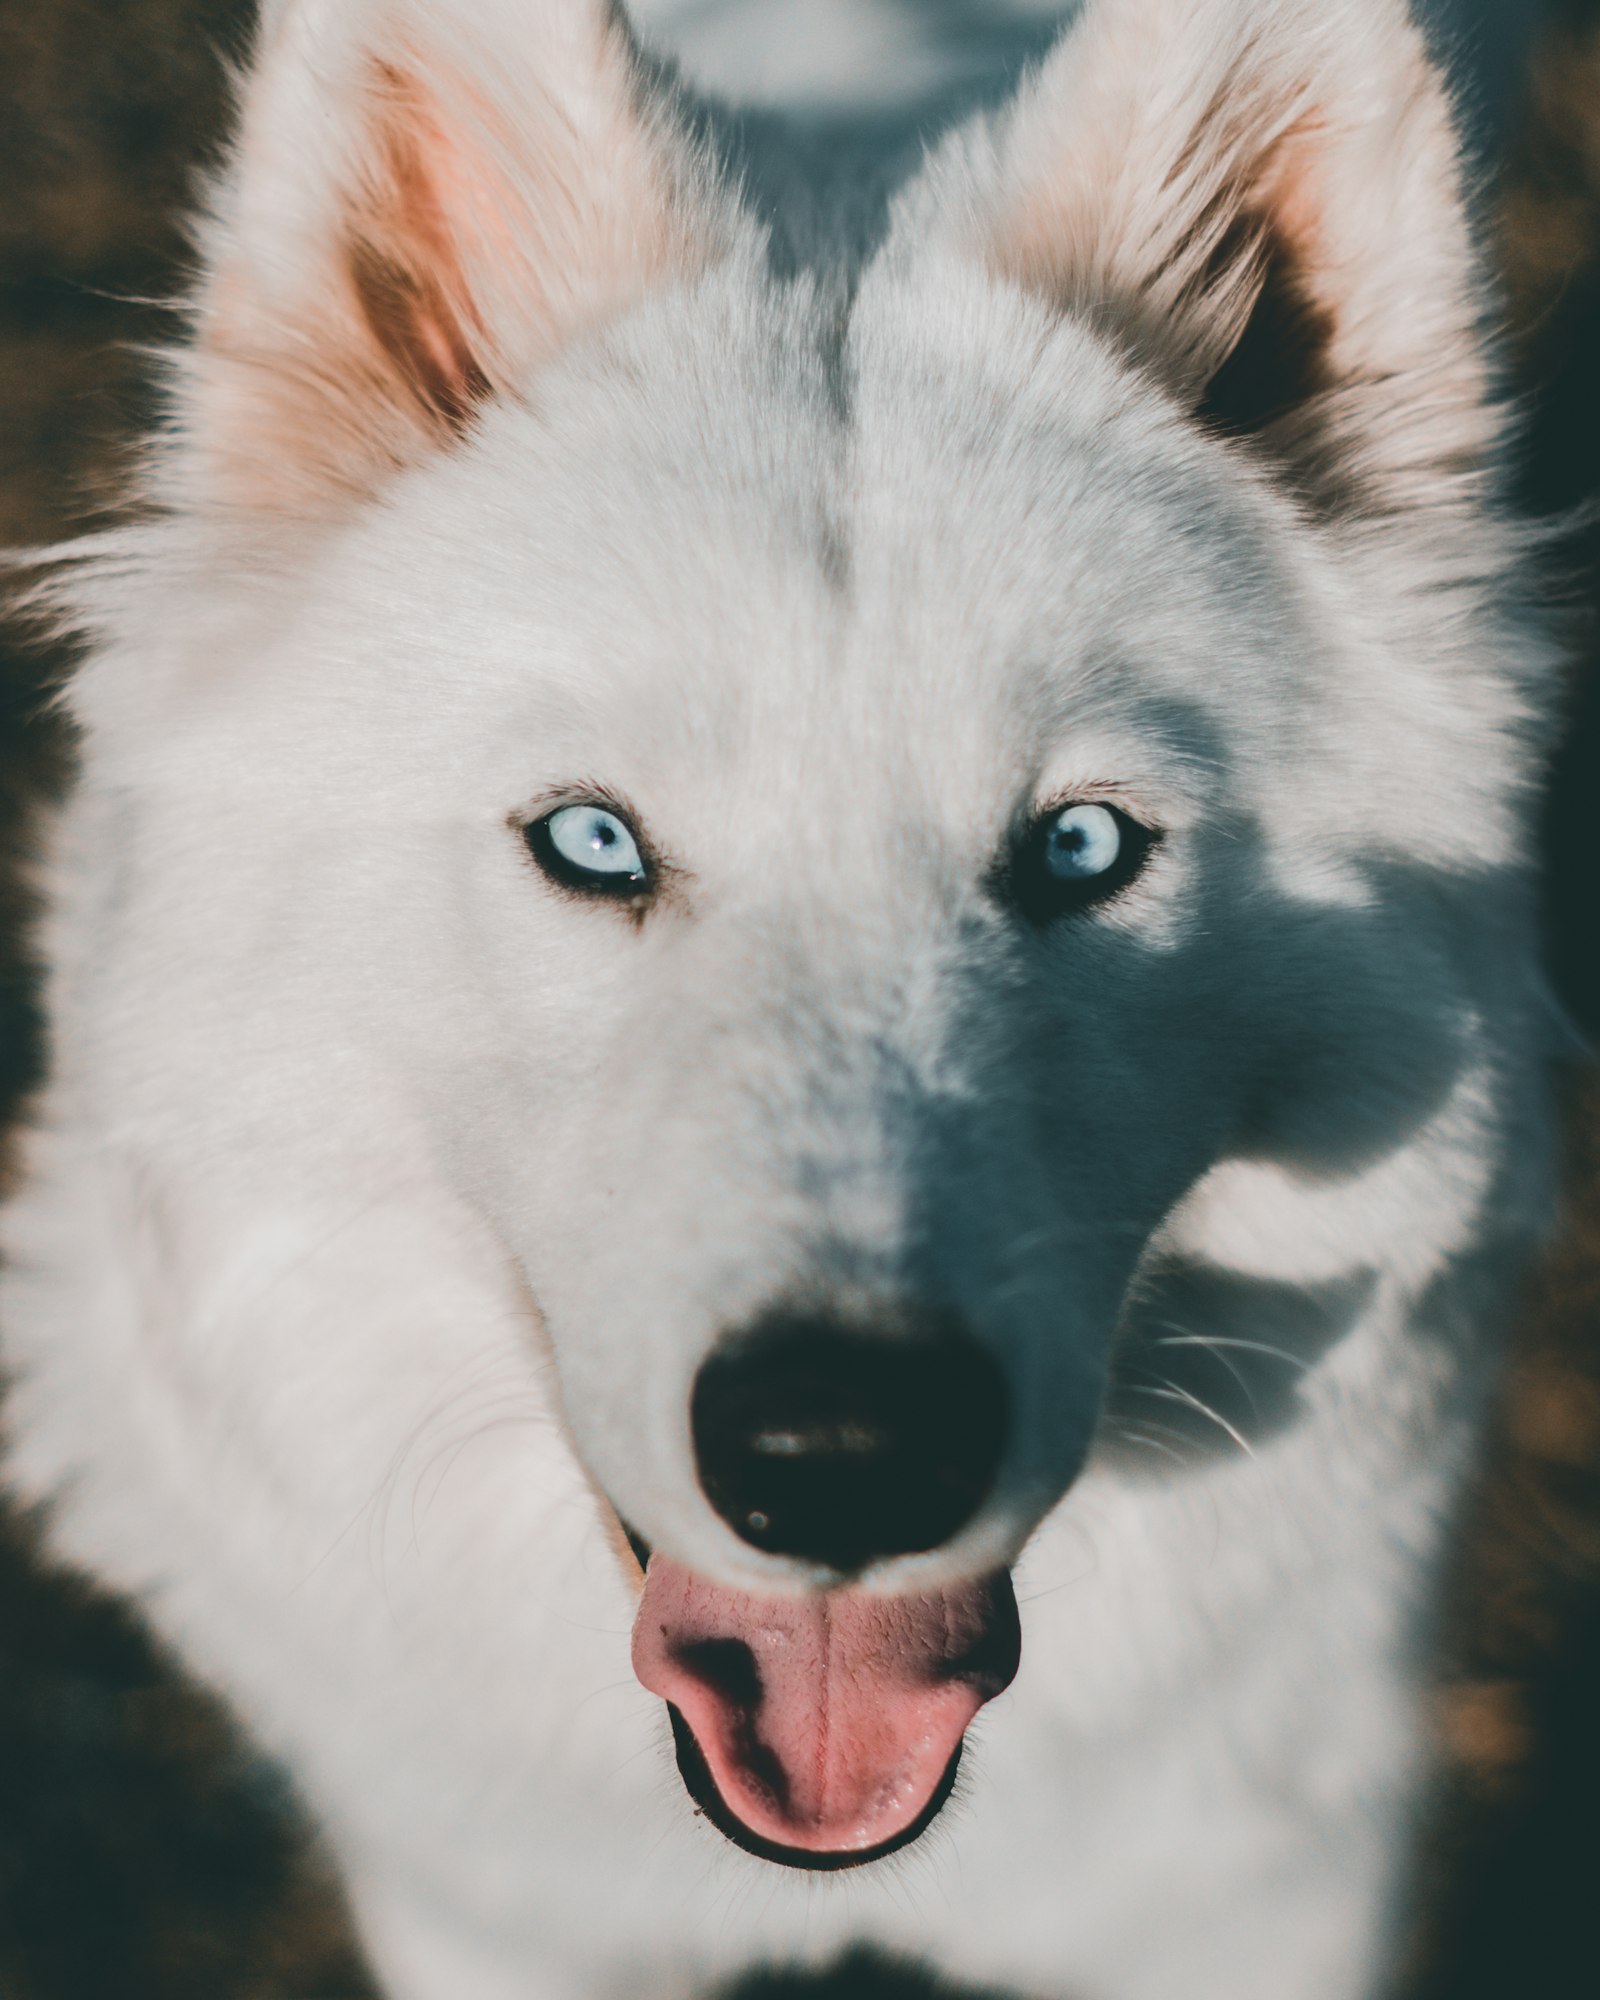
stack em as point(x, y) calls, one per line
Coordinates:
point(1082, 842)
point(595, 841)
point(591, 848)
point(1075, 856)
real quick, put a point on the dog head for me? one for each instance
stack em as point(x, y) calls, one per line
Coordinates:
point(859, 815)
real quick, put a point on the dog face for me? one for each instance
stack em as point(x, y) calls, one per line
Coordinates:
point(843, 1050)
point(835, 812)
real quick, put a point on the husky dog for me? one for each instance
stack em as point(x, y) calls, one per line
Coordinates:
point(810, 867)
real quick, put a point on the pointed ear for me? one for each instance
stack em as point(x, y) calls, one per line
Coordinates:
point(1259, 201)
point(427, 198)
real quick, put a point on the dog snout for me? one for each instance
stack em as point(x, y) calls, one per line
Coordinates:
point(843, 1447)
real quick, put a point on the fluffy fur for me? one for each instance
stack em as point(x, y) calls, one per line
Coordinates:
point(1139, 445)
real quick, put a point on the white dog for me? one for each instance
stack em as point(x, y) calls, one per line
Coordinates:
point(815, 855)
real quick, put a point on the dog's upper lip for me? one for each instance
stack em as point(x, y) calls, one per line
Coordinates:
point(822, 1729)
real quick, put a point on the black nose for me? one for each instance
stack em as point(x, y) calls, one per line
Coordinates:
point(841, 1447)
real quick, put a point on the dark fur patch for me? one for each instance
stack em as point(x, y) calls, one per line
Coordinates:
point(406, 273)
point(407, 315)
point(1281, 359)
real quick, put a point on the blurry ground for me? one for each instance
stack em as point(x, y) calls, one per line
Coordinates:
point(144, 1854)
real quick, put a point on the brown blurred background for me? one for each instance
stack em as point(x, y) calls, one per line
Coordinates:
point(145, 1852)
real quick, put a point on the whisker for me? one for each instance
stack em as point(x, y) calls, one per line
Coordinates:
point(1203, 1341)
point(1181, 1338)
point(1146, 1435)
point(1169, 1392)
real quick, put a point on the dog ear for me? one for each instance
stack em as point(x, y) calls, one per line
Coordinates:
point(426, 200)
point(1259, 201)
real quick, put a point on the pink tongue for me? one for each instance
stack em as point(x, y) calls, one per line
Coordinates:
point(828, 1721)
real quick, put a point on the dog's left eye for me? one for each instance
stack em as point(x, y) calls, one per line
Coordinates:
point(589, 847)
point(1077, 855)
point(1081, 843)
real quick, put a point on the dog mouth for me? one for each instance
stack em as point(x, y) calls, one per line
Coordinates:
point(821, 1731)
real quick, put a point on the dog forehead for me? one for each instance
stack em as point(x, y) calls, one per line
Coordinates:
point(727, 516)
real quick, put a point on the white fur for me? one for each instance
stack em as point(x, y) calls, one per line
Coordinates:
point(382, 1202)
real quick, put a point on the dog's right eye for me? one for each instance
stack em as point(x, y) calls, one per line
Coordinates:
point(590, 848)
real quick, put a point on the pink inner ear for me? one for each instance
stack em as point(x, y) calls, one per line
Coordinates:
point(405, 259)
point(1230, 307)
point(412, 232)
point(1282, 355)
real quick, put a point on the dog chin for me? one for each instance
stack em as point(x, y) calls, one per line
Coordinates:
point(821, 1731)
